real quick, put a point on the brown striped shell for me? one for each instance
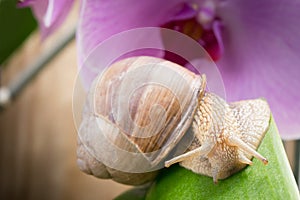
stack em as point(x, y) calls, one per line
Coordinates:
point(136, 112)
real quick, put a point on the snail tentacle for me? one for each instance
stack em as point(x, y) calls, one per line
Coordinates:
point(205, 149)
point(243, 159)
point(235, 141)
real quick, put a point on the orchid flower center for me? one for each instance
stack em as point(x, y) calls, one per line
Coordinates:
point(203, 26)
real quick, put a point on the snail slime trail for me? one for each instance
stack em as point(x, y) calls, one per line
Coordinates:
point(134, 119)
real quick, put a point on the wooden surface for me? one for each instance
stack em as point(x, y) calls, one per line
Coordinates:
point(38, 135)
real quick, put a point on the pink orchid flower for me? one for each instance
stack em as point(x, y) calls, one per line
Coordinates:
point(255, 44)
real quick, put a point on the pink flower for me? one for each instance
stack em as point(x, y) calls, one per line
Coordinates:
point(255, 44)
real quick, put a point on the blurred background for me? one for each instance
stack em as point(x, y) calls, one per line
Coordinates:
point(37, 132)
point(38, 137)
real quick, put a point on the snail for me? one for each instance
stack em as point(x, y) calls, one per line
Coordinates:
point(144, 113)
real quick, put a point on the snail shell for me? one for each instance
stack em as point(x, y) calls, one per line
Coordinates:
point(134, 117)
point(143, 113)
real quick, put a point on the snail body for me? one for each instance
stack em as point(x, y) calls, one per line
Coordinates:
point(145, 112)
point(226, 136)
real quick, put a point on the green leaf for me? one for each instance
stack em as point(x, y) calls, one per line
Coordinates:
point(15, 24)
point(274, 181)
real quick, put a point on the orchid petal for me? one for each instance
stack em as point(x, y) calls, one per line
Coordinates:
point(101, 19)
point(50, 14)
point(259, 40)
point(261, 56)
